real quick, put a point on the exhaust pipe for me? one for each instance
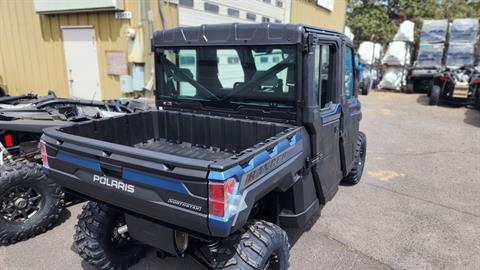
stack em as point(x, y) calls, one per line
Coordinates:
point(123, 229)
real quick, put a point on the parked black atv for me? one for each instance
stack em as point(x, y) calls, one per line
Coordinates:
point(457, 87)
point(428, 65)
point(29, 202)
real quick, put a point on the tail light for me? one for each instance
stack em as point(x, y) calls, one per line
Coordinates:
point(43, 149)
point(8, 140)
point(443, 78)
point(219, 193)
point(476, 81)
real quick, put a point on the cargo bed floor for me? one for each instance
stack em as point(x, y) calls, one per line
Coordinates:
point(184, 150)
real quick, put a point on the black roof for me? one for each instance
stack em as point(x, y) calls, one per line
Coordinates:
point(235, 34)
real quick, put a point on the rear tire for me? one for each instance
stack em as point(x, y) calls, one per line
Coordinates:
point(259, 245)
point(98, 242)
point(356, 173)
point(29, 202)
point(434, 95)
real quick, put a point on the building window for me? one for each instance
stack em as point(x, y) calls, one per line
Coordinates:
point(265, 19)
point(231, 73)
point(233, 12)
point(210, 7)
point(278, 21)
point(187, 3)
point(233, 60)
point(251, 17)
point(275, 59)
point(267, 1)
point(279, 4)
point(187, 60)
point(263, 60)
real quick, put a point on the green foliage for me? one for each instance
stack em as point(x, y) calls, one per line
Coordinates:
point(378, 20)
point(370, 21)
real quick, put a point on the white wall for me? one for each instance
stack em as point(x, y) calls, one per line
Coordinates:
point(197, 15)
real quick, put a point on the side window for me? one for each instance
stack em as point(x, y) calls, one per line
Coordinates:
point(323, 83)
point(230, 70)
point(316, 75)
point(349, 73)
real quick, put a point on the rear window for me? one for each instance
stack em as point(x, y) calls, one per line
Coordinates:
point(230, 76)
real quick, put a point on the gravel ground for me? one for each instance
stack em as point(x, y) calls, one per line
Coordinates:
point(417, 207)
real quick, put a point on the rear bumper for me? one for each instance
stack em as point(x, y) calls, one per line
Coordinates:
point(148, 201)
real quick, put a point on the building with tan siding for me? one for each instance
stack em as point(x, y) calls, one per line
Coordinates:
point(99, 49)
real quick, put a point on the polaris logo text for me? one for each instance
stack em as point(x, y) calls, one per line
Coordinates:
point(114, 183)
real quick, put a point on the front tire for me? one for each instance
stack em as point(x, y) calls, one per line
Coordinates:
point(356, 173)
point(366, 86)
point(434, 95)
point(29, 202)
point(98, 242)
point(259, 245)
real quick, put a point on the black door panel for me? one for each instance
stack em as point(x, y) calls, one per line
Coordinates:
point(327, 169)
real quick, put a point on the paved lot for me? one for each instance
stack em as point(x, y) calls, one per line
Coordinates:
point(417, 207)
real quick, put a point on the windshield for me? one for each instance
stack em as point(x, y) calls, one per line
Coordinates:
point(459, 55)
point(235, 77)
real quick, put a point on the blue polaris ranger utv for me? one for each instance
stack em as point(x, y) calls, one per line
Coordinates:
point(257, 124)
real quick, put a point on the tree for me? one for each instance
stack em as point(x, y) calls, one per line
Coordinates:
point(369, 20)
point(378, 20)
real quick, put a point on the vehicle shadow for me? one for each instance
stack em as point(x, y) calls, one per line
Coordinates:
point(64, 216)
point(423, 100)
point(472, 117)
point(151, 261)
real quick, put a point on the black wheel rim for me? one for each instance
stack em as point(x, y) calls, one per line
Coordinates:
point(362, 157)
point(272, 263)
point(361, 160)
point(20, 203)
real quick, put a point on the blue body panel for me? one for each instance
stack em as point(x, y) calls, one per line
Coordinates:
point(222, 226)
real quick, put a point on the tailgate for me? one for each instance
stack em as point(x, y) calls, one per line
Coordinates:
point(132, 179)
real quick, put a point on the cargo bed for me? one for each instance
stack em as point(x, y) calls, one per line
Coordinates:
point(166, 155)
point(193, 136)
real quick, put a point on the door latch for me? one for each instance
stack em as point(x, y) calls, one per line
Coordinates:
point(314, 160)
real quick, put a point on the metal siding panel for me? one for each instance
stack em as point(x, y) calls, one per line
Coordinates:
point(35, 75)
point(3, 45)
point(12, 63)
point(55, 56)
point(33, 45)
point(308, 12)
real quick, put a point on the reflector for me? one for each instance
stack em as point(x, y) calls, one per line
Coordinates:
point(8, 139)
point(43, 150)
